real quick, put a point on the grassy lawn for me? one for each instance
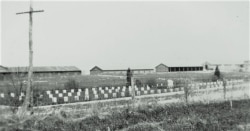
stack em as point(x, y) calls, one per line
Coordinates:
point(87, 81)
point(198, 117)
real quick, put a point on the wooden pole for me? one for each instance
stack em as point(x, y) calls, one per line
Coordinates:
point(28, 102)
point(30, 72)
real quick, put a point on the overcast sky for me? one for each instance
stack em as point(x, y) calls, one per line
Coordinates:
point(118, 35)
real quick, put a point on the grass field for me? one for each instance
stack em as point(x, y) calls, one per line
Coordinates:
point(195, 117)
point(88, 81)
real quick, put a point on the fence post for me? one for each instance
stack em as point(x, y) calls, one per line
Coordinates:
point(133, 88)
point(231, 102)
point(224, 88)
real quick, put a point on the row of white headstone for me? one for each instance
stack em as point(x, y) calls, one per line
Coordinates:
point(122, 90)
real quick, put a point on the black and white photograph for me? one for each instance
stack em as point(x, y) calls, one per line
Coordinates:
point(124, 65)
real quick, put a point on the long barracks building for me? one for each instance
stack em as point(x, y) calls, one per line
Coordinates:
point(43, 71)
point(97, 71)
point(163, 68)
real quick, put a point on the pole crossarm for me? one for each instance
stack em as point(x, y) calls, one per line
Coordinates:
point(29, 12)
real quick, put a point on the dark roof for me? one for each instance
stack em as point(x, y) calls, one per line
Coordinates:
point(130, 69)
point(3, 69)
point(96, 67)
point(160, 65)
point(43, 69)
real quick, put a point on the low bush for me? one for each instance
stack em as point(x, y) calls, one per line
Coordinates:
point(151, 82)
point(71, 84)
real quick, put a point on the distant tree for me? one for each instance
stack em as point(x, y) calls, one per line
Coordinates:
point(129, 75)
point(217, 72)
point(151, 82)
point(16, 79)
point(206, 67)
point(138, 83)
point(72, 84)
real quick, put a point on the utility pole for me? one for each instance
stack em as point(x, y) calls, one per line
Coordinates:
point(28, 102)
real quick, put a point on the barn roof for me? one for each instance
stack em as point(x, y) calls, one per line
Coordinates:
point(160, 65)
point(3, 69)
point(96, 67)
point(43, 69)
point(130, 69)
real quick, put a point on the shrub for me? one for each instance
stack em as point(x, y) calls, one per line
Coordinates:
point(138, 83)
point(151, 82)
point(71, 84)
point(145, 126)
point(217, 72)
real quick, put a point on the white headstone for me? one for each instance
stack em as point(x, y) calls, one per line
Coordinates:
point(129, 88)
point(20, 98)
point(77, 98)
point(86, 97)
point(148, 88)
point(12, 94)
point(170, 83)
point(96, 96)
point(60, 95)
point(123, 94)
point(64, 91)
point(86, 91)
point(138, 93)
point(2, 95)
point(56, 91)
point(48, 92)
point(66, 99)
point(114, 95)
point(106, 96)
point(69, 94)
point(54, 99)
point(51, 96)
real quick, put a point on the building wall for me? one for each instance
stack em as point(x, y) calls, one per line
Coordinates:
point(120, 72)
point(161, 68)
point(7, 76)
point(228, 67)
point(184, 69)
point(95, 72)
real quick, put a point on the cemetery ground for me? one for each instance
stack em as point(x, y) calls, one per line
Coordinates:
point(89, 81)
point(148, 113)
point(206, 109)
